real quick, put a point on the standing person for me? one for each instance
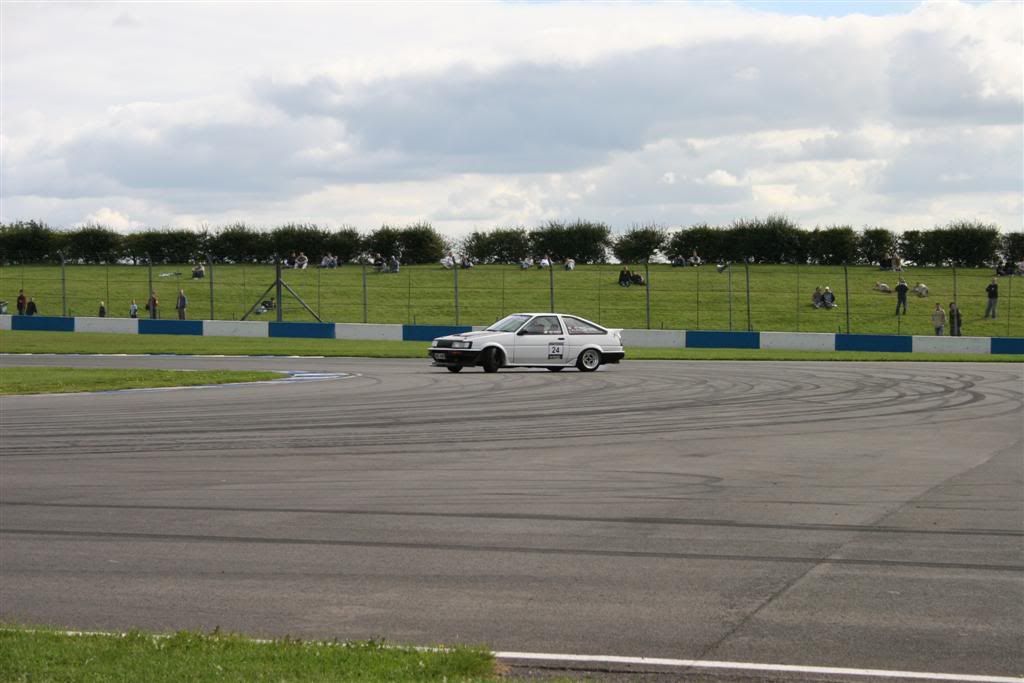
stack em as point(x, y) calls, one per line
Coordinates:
point(30, 307)
point(181, 304)
point(103, 310)
point(133, 309)
point(939, 320)
point(993, 298)
point(955, 320)
point(901, 296)
point(153, 306)
point(22, 301)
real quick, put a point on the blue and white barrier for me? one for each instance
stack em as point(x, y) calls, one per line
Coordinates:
point(699, 339)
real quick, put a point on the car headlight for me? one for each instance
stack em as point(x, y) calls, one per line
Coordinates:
point(462, 345)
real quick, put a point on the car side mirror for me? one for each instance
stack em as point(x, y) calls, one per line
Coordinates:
point(520, 333)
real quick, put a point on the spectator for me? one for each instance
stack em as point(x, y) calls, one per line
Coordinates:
point(181, 304)
point(828, 299)
point(955, 320)
point(393, 264)
point(625, 278)
point(448, 262)
point(882, 287)
point(526, 263)
point(921, 289)
point(199, 271)
point(570, 264)
point(939, 320)
point(30, 307)
point(897, 263)
point(637, 279)
point(103, 310)
point(816, 297)
point(901, 296)
point(328, 261)
point(545, 262)
point(289, 262)
point(993, 298)
point(695, 259)
point(133, 309)
point(22, 301)
point(301, 261)
point(678, 262)
point(153, 306)
point(466, 262)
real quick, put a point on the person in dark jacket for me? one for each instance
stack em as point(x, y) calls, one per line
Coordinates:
point(625, 278)
point(955, 320)
point(103, 310)
point(30, 307)
point(993, 298)
point(901, 296)
point(22, 301)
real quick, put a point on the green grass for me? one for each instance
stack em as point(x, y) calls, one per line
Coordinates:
point(42, 655)
point(48, 380)
point(88, 342)
point(681, 298)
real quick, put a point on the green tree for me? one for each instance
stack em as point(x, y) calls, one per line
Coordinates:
point(94, 244)
point(420, 243)
point(876, 246)
point(584, 241)
point(307, 238)
point(28, 242)
point(345, 243)
point(238, 243)
point(709, 243)
point(639, 244)
point(833, 245)
point(386, 240)
point(501, 245)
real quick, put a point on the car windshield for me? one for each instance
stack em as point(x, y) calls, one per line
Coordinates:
point(509, 324)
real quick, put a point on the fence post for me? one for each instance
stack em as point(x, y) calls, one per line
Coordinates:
point(279, 301)
point(318, 272)
point(209, 263)
point(955, 300)
point(730, 296)
point(551, 285)
point(599, 275)
point(365, 311)
point(408, 297)
point(245, 297)
point(455, 273)
point(107, 271)
point(647, 290)
point(149, 266)
point(502, 292)
point(698, 299)
point(846, 288)
point(1009, 300)
point(63, 287)
point(798, 296)
point(746, 269)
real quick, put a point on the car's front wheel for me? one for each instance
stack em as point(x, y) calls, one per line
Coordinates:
point(491, 360)
point(454, 368)
point(589, 360)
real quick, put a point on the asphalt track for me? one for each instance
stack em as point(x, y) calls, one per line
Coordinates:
point(864, 515)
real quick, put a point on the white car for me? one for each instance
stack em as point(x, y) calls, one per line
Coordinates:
point(533, 340)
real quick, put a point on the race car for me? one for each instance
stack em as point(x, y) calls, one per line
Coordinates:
point(531, 340)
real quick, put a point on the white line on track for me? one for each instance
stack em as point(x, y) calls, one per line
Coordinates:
point(753, 666)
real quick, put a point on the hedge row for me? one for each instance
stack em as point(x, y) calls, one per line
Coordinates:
point(776, 239)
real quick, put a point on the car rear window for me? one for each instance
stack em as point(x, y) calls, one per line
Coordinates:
point(577, 326)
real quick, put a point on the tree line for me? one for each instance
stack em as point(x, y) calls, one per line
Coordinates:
point(775, 239)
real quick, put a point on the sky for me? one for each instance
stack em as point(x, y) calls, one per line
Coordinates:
point(474, 115)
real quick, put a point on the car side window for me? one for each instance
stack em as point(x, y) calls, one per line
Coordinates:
point(577, 326)
point(543, 324)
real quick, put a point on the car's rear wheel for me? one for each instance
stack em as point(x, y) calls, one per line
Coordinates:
point(589, 360)
point(454, 368)
point(556, 369)
point(491, 360)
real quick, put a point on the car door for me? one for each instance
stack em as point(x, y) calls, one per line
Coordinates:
point(540, 342)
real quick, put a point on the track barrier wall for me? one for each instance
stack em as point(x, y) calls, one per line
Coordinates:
point(424, 333)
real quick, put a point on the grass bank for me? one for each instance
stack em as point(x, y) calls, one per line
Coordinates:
point(680, 298)
point(88, 343)
point(40, 380)
point(42, 655)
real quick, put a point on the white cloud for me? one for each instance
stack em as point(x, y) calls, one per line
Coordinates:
point(492, 113)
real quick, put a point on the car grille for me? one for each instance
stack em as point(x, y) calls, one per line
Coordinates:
point(444, 344)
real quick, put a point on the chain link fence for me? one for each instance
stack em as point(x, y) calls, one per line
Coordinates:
point(737, 297)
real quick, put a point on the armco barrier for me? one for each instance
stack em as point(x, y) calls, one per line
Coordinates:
point(874, 342)
point(703, 339)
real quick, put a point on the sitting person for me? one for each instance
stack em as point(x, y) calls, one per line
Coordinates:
point(393, 264)
point(545, 262)
point(526, 263)
point(678, 262)
point(625, 278)
point(570, 264)
point(882, 287)
point(921, 289)
point(828, 299)
point(327, 261)
point(301, 261)
point(695, 259)
point(638, 279)
point(816, 297)
point(199, 271)
point(466, 262)
point(448, 262)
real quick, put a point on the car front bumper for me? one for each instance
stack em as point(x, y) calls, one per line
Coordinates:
point(447, 357)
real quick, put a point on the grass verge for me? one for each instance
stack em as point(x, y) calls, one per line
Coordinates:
point(88, 342)
point(44, 655)
point(40, 380)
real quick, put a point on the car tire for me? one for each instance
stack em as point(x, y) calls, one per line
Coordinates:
point(589, 360)
point(454, 368)
point(556, 369)
point(491, 360)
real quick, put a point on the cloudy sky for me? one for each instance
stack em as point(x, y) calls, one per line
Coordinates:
point(473, 115)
